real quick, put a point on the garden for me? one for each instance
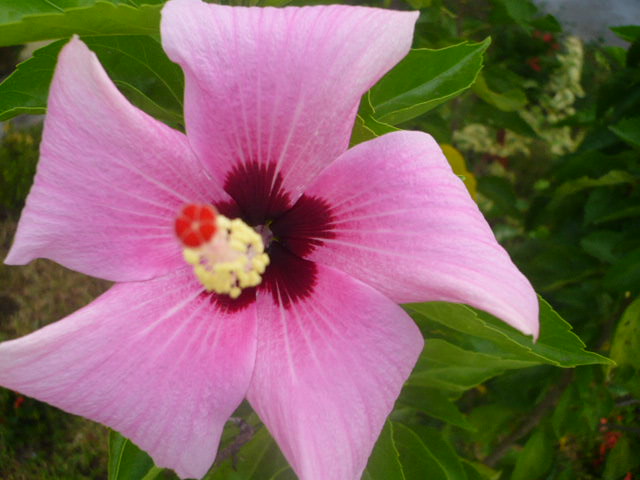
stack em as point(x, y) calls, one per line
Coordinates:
point(115, 112)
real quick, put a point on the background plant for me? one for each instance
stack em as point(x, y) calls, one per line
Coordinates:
point(545, 132)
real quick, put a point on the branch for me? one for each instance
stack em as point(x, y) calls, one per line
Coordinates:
point(230, 451)
point(538, 413)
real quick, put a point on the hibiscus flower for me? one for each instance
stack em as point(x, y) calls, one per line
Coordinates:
point(291, 255)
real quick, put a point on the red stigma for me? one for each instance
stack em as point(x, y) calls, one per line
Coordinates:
point(196, 224)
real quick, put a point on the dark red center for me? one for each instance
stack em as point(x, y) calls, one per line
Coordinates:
point(298, 229)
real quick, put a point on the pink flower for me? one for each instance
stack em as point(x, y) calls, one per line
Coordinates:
point(320, 347)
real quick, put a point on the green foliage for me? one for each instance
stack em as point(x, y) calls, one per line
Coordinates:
point(560, 183)
point(12, 12)
point(424, 79)
point(508, 348)
point(570, 217)
point(509, 101)
point(366, 126)
point(522, 12)
point(424, 457)
point(436, 403)
point(36, 440)
point(625, 347)
point(622, 459)
point(628, 129)
point(127, 461)
point(384, 463)
point(605, 172)
point(137, 65)
point(536, 457)
point(18, 157)
point(628, 33)
point(31, 21)
point(27, 88)
point(558, 176)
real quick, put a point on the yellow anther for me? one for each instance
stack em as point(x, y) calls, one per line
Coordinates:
point(233, 259)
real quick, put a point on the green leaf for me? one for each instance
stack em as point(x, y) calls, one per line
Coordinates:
point(384, 463)
point(535, 459)
point(521, 11)
point(500, 191)
point(548, 23)
point(12, 11)
point(628, 130)
point(510, 101)
point(567, 416)
point(285, 473)
point(491, 116)
point(608, 204)
point(440, 449)
point(618, 55)
point(582, 405)
point(26, 89)
point(633, 60)
point(624, 212)
point(361, 132)
point(601, 244)
point(425, 454)
point(416, 460)
point(435, 403)
point(479, 471)
point(259, 459)
point(613, 177)
point(629, 33)
point(366, 127)
point(626, 341)
point(445, 366)
point(137, 65)
point(128, 462)
point(557, 344)
point(68, 17)
point(424, 79)
point(491, 421)
point(623, 458)
point(624, 274)
point(418, 4)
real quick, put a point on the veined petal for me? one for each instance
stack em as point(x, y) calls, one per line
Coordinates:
point(156, 361)
point(409, 228)
point(278, 88)
point(329, 368)
point(109, 182)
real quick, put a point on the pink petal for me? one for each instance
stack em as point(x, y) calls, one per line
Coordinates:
point(409, 229)
point(156, 361)
point(109, 183)
point(278, 87)
point(328, 371)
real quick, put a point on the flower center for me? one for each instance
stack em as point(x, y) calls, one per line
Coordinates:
point(266, 234)
point(227, 255)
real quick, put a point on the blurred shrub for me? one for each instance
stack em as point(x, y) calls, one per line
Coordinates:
point(18, 158)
